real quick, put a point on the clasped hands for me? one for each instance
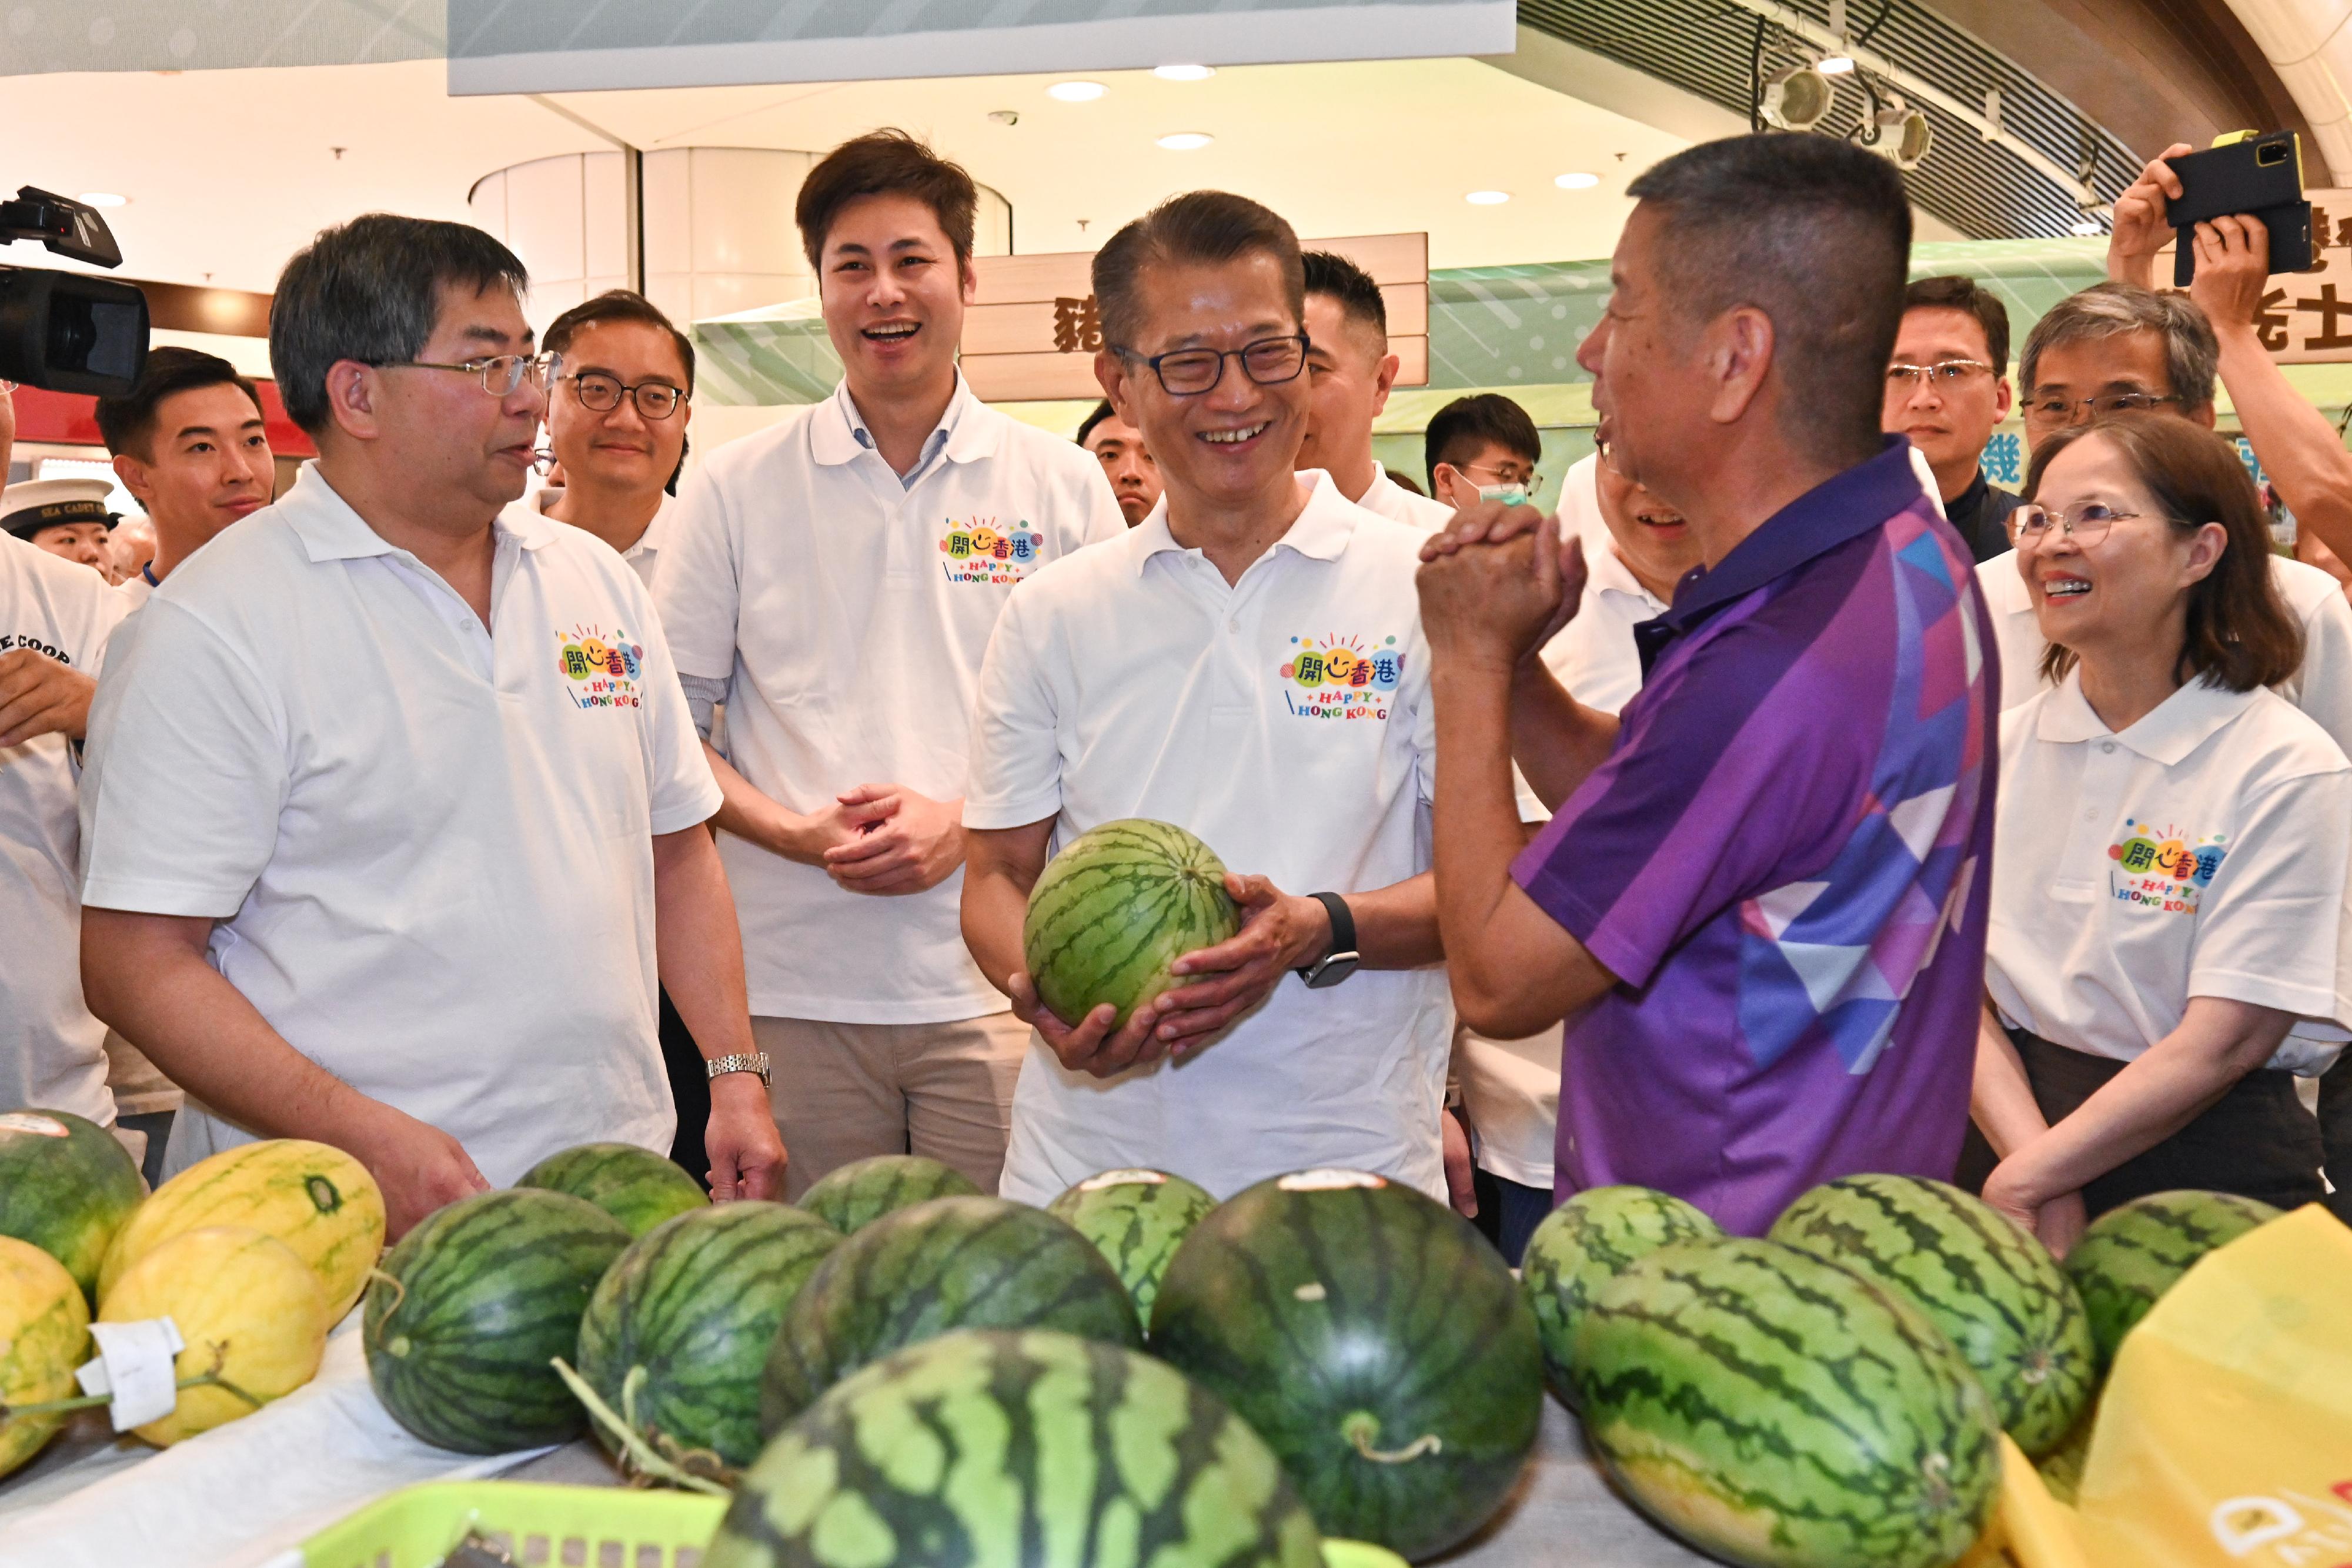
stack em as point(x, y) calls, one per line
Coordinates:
point(1496, 584)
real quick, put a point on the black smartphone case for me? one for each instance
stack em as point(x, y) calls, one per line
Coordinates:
point(2290, 231)
point(2244, 177)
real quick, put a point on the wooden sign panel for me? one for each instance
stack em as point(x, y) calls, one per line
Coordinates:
point(1033, 328)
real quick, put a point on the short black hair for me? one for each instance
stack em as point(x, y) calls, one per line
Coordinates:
point(370, 290)
point(1087, 427)
point(1198, 227)
point(1461, 427)
point(1958, 291)
point(1359, 298)
point(127, 423)
point(618, 304)
point(886, 162)
point(1816, 234)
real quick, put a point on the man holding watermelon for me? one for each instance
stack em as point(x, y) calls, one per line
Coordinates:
point(1761, 904)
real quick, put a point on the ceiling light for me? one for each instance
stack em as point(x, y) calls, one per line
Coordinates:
point(1796, 98)
point(2087, 227)
point(1488, 198)
point(1904, 136)
point(1834, 65)
point(1186, 140)
point(1076, 91)
point(1184, 73)
point(102, 199)
point(1577, 182)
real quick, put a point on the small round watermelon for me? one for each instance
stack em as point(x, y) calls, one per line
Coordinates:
point(67, 1186)
point(1778, 1411)
point(950, 1264)
point(1585, 1243)
point(2131, 1255)
point(1136, 1219)
point(1374, 1339)
point(1115, 908)
point(468, 1312)
point(680, 1327)
point(1998, 1296)
point(1016, 1448)
point(856, 1194)
point(636, 1186)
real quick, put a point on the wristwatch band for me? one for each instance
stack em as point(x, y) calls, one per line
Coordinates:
point(1339, 960)
point(719, 1066)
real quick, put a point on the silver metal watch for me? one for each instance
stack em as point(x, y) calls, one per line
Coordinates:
point(719, 1066)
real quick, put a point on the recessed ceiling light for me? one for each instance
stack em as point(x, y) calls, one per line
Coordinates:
point(1076, 91)
point(1184, 73)
point(1577, 182)
point(102, 199)
point(1488, 198)
point(1834, 65)
point(1186, 140)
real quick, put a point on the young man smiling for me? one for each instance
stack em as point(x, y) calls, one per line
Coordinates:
point(1248, 666)
point(188, 443)
point(834, 580)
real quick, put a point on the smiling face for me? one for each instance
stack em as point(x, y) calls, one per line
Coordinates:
point(618, 448)
point(1948, 422)
point(2125, 594)
point(206, 464)
point(1652, 538)
point(1349, 373)
point(893, 295)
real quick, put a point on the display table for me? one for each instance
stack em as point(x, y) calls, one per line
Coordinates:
point(247, 1495)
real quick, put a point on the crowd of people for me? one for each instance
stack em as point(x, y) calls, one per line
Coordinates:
point(1794, 802)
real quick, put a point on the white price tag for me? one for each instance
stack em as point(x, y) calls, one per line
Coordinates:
point(136, 1364)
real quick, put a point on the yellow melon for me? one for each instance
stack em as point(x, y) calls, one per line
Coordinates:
point(251, 1312)
point(44, 1335)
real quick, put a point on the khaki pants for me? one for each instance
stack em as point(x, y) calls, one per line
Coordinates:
point(842, 1091)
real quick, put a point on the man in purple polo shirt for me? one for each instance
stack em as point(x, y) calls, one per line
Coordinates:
point(1760, 903)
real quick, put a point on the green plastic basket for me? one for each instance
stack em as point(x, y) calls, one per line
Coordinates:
point(572, 1527)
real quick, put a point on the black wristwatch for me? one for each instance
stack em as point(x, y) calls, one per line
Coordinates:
point(1341, 961)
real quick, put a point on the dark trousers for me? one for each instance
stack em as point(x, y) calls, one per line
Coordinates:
point(1509, 1212)
point(2257, 1141)
point(689, 1086)
point(2335, 1133)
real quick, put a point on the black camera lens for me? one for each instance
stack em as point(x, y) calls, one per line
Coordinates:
point(72, 334)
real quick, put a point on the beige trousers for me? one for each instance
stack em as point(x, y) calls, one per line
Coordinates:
point(842, 1091)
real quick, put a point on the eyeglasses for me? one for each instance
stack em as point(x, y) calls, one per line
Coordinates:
point(1531, 481)
point(2061, 410)
point(654, 400)
point(1943, 373)
point(1188, 372)
point(2087, 526)
point(500, 374)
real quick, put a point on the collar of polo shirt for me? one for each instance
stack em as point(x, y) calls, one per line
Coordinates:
point(1823, 517)
point(972, 432)
point(2167, 733)
point(1321, 529)
point(335, 532)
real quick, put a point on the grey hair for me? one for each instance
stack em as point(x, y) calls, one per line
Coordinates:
point(2192, 357)
point(371, 290)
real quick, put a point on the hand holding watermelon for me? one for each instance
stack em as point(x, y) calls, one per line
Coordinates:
point(1280, 932)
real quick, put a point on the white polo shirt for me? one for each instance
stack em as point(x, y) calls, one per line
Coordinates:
point(1286, 719)
point(428, 843)
point(2201, 852)
point(2322, 687)
point(1398, 504)
point(848, 612)
point(52, 1051)
point(641, 556)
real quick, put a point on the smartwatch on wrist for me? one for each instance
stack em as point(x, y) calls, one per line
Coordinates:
point(1341, 961)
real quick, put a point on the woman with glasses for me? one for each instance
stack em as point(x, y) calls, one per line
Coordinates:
point(2168, 945)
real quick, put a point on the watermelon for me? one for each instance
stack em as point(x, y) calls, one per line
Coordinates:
point(853, 1195)
point(950, 1264)
point(1585, 1243)
point(312, 1196)
point(473, 1305)
point(1115, 908)
point(2130, 1256)
point(690, 1308)
point(1135, 1218)
point(1778, 1411)
point(1998, 1296)
point(67, 1186)
point(44, 1335)
point(1374, 1339)
point(636, 1186)
point(1016, 1448)
point(249, 1310)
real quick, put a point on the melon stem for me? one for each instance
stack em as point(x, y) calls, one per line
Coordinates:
point(212, 1379)
point(639, 1456)
point(1361, 1427)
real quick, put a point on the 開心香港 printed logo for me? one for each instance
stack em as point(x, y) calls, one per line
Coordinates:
point(1341, 677)
point(982, 551)
point(602, 669)
point(2163, 868)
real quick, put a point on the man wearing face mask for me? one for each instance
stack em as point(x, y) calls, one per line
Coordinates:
point(1482, 448)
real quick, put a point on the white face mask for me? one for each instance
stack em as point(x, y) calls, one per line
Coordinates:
point(1509, 495)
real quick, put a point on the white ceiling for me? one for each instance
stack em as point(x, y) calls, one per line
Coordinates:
point(231, 171)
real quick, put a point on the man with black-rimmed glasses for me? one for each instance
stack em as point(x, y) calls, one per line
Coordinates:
point(616, 421)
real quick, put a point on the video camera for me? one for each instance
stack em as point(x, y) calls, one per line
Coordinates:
point(60, 329)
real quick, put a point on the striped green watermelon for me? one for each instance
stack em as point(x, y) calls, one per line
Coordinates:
point(2130, 1256)
point(467, 1312)
point(67, 1186)
point(636, 1186)
point(1781, 1412)
point(1374, 1339)
point(1115, 908)
point(1585, 1243)
point(861, 1191)
point(950, 1264)
point(680, 1327)
point(1029, 1450)
point(1996, 1293)
point(1137, 1219)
